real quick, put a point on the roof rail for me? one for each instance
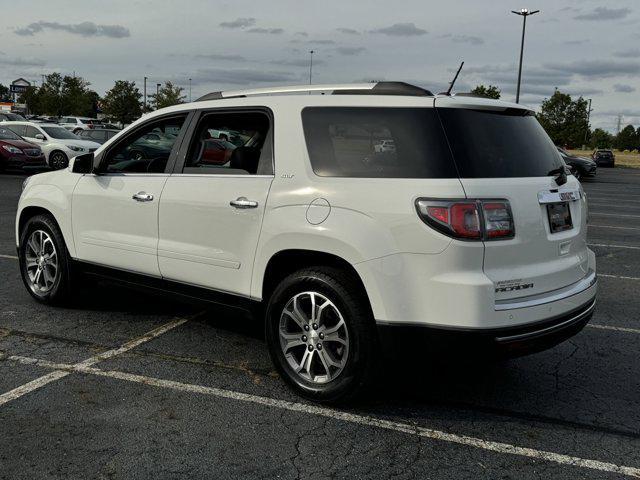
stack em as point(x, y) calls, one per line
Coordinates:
point(379, 88)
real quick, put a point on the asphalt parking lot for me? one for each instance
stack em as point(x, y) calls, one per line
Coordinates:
point(125, 385)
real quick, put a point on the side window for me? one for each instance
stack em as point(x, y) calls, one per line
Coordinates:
point(136, 154)
point(31, 132)
point(18, 129)
point(232, 143)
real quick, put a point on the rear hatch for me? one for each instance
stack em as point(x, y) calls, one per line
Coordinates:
point(502, 153)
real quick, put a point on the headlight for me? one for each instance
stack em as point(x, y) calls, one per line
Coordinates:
point(75, 149)
point(11, 149)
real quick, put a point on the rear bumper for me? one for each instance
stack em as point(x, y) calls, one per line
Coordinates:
point(500, 342)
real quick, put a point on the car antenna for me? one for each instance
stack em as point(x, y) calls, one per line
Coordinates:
point(448, 92)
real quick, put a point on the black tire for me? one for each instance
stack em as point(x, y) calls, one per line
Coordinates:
point(346, 293)
point(58, 160)
point(59, 293)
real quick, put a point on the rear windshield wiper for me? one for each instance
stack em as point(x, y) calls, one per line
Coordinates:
point(560, 174)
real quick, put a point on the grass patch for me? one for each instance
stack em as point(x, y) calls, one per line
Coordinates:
point(623, 159)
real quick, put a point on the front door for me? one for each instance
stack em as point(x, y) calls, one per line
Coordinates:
point(212, 207)
point(115, 211)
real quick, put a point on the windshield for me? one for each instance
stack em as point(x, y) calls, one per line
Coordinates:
point(60, 133)
point(496, 144)
point(6, 134)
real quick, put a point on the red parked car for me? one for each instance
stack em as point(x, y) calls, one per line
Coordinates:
point(17, 154)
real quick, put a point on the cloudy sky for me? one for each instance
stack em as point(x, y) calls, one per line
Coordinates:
point(583, 47)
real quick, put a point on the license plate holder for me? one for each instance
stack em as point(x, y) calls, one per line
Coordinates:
point(559, 217)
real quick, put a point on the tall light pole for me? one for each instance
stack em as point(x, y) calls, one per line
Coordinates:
point(586, 132)
point(145, 93)
point(311, 52)
point(189, 90)
point(524, 13)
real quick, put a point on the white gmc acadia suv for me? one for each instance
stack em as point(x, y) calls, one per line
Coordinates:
point(469, 230)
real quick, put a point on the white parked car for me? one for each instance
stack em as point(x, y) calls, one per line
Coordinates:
point(77, 124)
point(57, 144)
point(384, 146)
point(471, 235)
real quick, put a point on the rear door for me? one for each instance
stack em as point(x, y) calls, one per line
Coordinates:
point(211, 214)
point(506, 154)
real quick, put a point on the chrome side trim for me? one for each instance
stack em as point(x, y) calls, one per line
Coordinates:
point(540, 299)
point(542, 331)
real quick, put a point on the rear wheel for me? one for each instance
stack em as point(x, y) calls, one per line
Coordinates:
point(58, 160)
point(321, 334)
point(44, 261)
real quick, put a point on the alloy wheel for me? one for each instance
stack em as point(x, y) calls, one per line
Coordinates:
point(58, 161)
point(314, 337)
point(41, 262)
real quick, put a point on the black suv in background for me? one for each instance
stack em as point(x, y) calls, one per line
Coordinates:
point(604, 158)
point(580, 166)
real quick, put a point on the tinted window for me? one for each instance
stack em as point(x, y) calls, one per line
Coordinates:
point(377, 142)
point(60, 133)
point(235, 143)
point(136, 154)
point(489, 144)
point(6, 134)
point(31, 132)
point(19, 129)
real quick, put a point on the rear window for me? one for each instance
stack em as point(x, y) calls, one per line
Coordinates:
point(495, 144)
point(377, 143)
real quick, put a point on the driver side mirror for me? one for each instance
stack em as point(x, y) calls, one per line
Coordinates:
point(83, 163)
point(39, 136)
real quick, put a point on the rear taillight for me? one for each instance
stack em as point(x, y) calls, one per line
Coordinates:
point(468, 219)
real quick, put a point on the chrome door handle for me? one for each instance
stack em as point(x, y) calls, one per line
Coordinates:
point(242, 202)
point(142, 197)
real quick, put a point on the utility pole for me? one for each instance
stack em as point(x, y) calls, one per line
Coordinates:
point(586, 131)
point(311, 52)
point(524, 13)
point(619, 123)
point(157, 93)
point(145, 93)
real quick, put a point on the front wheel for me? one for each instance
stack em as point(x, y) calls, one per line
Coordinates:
point(321, 334)
point(44, 261)
point(58, 160)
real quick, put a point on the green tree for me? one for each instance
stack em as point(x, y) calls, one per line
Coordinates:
point(600, 139)
point(169, 94)
point(50, 94)
point(627, 139)
point(4, 93)
point(122, 102)
point(564, 119)
point(488, 92)
point(31, 97)
point(77, 99)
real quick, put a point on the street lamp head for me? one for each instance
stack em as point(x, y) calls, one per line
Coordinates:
point(524, 12)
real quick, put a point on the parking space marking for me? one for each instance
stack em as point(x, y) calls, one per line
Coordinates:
point(438, 435)
point(613, 214)
point(61, 373)
point(12, 257)
point(616, 329)
point(620, 277)
point(608, 245)
point(611, 226)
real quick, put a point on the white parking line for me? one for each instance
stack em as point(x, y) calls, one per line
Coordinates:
point(608, 245)
point(407, 428)
point(12, 257)
point(613, 214)
point(57, 375)
point(611, 226)
point(615, 329)
point(617, 276)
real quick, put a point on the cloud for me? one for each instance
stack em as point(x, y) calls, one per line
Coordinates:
point(401, 30)
point(576, 42)
point(85, 29)
point(322, 42)
point(302, 34)
point(239, 23)
point(621, 88)
point(219, 56)
point(604, 13)
point(270, 31)
point(350, 50)
point(631, 53)
point(297, 62)
point(22, 62)
point(596, 68)
point(348, 31)
point(232, 76)
point(471, 39)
